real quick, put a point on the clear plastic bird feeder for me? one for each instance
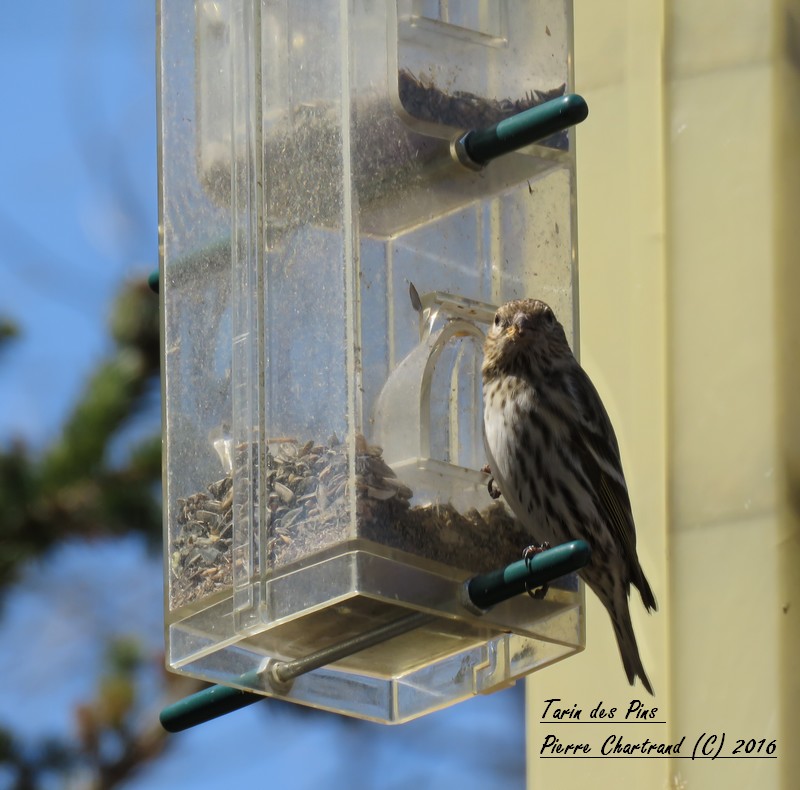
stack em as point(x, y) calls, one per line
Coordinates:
point(322, 416)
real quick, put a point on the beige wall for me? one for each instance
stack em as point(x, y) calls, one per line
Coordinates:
point(689, 249)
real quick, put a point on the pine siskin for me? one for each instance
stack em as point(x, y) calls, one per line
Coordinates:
point(555, 458)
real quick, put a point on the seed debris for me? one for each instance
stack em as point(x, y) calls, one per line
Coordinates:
point(307, 510)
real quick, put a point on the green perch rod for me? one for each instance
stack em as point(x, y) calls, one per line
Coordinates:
point(476, 148)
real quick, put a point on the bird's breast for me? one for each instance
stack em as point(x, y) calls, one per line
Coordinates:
point(506, 403)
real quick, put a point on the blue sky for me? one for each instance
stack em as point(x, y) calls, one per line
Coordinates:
point(77, 191)
point(78, 215)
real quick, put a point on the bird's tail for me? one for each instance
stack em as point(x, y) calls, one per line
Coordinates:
point(641, 584)
point(626, 639)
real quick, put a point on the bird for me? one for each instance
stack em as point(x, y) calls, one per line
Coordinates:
point(555, 459)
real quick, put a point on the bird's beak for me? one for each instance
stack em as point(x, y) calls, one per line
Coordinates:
point(513, 331)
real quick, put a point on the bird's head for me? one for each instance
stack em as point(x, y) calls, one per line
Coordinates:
point(524, 331)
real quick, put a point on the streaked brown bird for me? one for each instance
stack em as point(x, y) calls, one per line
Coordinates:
point(554, 456)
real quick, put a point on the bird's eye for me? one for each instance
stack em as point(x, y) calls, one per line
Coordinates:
point(497, 319)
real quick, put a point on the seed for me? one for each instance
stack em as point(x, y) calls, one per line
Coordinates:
point(322, 496)
point(284, 492)
point(380, 493)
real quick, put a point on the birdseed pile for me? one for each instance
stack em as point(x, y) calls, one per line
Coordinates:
point(307, 512)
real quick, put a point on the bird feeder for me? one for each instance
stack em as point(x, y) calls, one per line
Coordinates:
point(348, 191)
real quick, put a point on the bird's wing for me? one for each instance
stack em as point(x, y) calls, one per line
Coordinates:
point(598, 452)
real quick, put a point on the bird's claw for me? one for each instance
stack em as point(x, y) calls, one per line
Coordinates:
point(537, 593)
point(491, 486)
point(528, 553)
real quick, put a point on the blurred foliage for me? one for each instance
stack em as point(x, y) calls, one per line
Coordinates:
point(114, 732)
point(8, 330)
point(73, 488)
